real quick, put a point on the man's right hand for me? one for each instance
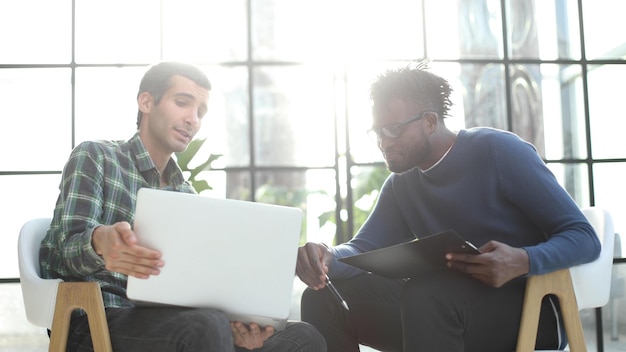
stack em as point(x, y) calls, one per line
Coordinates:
point(312, 265)
point(117, 245)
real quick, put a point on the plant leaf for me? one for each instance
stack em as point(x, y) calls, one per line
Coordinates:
point(200, 185)
point(183, 158)
point(326, 217)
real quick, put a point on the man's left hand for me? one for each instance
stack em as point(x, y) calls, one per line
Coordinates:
point(497, 264)
point(250, 336)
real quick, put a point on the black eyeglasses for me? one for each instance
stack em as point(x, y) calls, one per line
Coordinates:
point(395, 129)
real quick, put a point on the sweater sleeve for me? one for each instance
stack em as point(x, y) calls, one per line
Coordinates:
point(384, 227)
point(530, 185)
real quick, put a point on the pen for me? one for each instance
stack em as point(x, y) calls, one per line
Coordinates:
point(336, 293)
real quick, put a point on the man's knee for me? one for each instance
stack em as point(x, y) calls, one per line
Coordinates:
point(428, 294)
point(314, 341)
point(301, 337)
point(310, 302)
point(309, 295)
point(207, 327)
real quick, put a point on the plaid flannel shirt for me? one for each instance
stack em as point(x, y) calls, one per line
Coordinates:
point(99, 187)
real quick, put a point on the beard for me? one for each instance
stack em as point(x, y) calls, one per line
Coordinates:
point(413, 155)
point(401, 171)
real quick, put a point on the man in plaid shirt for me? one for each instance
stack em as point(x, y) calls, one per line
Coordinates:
point(91, 239)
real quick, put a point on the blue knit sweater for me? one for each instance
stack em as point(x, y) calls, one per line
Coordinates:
point(491, 185)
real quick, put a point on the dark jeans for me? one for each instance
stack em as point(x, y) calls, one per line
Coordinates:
point(443, 311)
point(184, 329)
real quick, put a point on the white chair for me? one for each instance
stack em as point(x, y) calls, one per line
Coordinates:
point(579, 287)
point(49, 303)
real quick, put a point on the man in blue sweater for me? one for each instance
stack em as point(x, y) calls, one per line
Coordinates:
point(489, 185)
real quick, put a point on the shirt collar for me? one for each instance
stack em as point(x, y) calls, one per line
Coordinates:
point(144, 162)
point(139, 152)
point(440, 159)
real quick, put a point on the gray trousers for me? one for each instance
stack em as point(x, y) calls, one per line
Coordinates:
point(185, 329)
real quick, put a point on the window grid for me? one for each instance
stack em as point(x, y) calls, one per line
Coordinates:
point(251, 65)
point(344, 160)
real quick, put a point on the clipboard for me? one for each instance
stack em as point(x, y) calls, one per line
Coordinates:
point(411, 258)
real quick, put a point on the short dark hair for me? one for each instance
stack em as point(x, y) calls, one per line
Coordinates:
point(412, 84)
point(157, 80)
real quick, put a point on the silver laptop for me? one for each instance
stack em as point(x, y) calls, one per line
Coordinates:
point(236, 256)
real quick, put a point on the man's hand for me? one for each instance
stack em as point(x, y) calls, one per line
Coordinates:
point(497, 264)
point(117, 245)
point(312, 265)
point(250, 336)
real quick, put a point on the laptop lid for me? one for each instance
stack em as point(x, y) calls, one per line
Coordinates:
point(236, 256)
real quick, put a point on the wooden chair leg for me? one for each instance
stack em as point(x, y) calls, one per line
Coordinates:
point(86, 296)
point(571, 320)
point(529, 324)
point(558, 283)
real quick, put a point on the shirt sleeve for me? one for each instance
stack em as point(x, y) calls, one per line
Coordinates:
point(528, 183)
point(68, 243)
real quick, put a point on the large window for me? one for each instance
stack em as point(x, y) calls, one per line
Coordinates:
point(290, 107)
